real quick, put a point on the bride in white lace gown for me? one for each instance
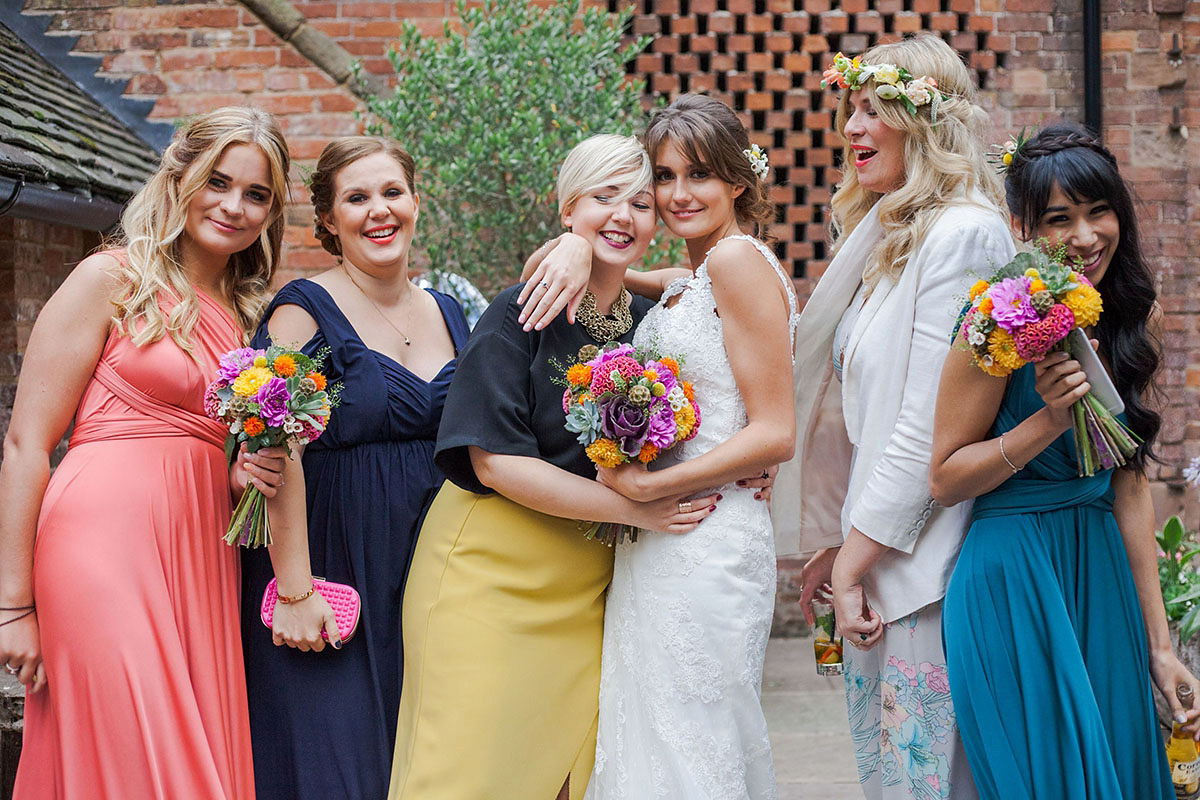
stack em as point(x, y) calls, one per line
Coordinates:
point(688, 615)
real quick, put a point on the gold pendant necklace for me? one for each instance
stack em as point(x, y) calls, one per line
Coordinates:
point(604, 328)
point(403, 335)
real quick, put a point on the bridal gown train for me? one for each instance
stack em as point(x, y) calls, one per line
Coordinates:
point(688, 616)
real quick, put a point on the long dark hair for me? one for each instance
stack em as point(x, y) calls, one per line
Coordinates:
point(1072, 159)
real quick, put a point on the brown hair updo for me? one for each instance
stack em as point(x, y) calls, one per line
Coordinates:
point(709, 133)
point(339, 154)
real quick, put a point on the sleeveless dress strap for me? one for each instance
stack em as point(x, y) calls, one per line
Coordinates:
point(332, 324)
point(769, 255)
point(185, 423)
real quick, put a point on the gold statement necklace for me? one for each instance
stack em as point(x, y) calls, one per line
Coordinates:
point(604, 328)
point(403, 335)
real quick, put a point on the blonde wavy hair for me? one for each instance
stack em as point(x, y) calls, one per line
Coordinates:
point(943, 160)
point(153, 223)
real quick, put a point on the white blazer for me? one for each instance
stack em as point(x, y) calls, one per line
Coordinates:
point(864, 444)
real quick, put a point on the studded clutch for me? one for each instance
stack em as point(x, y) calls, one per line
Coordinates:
point(343, 599)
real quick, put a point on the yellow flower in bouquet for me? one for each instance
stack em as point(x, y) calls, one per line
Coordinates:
point(250, 381)
point(605, 453)
point(1085, 303)
point(1003, 350)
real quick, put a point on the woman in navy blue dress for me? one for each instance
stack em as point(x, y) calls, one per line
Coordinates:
point(323, 720)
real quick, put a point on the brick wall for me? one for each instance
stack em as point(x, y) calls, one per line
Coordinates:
point(37, 257)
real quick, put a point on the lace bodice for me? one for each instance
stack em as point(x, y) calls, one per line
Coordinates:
point(691, 328)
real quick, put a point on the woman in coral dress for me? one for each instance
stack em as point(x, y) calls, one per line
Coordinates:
point(120, 601)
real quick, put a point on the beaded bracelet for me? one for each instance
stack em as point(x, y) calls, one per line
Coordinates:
point(1004, 455)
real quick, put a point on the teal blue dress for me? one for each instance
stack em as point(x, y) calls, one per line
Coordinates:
point(1045, 643)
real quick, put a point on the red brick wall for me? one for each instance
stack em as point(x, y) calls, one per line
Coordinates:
point(37, 257)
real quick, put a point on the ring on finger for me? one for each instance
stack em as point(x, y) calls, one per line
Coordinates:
point(10, 669)
point(765, 475)
point(685, 506)
point(862, 637)
point(544, 285)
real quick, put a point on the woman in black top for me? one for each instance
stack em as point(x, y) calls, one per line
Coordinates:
point(504, 607)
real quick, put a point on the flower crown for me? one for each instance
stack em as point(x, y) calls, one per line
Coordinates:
point(1002, 155)
point(758, 161)
point(891, 83)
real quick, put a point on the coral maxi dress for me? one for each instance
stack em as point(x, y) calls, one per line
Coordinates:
point(137, 596)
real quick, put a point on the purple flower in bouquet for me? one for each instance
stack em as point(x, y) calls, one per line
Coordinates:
point(661, 430)
point(1012, 306)
point(272, 399)
point(608, 355)
point(626, 422)
point(665, 376)
point(232, 363)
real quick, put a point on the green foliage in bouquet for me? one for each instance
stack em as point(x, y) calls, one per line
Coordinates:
point(1180, 582)
point(490, 110)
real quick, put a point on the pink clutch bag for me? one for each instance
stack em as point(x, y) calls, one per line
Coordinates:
point(343, 599)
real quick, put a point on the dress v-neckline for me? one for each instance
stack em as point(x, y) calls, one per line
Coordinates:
point(384, 358)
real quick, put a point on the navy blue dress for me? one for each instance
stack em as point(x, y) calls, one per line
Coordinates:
point(323, 725)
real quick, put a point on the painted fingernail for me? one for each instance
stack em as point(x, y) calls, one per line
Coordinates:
point(337, 645)
point(712, 508)
point(1181, 717)
point(720, 497)
point(758, 495)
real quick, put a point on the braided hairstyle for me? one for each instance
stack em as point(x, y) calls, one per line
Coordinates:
point(1073, 160)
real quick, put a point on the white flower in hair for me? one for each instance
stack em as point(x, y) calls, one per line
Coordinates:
point(919, 92)
point(758, 161)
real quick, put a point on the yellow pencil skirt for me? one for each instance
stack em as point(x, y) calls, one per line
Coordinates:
point(503, 621)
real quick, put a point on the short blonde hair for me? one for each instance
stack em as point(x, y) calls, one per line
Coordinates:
point(602, 160)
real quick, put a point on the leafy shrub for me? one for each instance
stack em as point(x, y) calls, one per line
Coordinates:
point(490, 111)
point(1180, 583)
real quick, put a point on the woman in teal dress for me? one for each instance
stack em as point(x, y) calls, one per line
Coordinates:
point(1053, 621)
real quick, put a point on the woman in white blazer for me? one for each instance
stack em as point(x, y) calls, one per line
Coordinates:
point(916, 220)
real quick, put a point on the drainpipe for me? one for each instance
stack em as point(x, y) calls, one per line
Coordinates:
point(34, 201)
point(1092, 107)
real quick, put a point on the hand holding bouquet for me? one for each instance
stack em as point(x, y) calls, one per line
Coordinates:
point(627, 405)
point(266, 398)
point(1027, 310)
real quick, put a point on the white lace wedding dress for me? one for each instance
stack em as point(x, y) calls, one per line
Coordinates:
point(688, 616)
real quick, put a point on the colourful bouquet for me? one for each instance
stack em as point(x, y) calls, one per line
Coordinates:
point(627, 405)
point(1025, 311)
point(267, 398)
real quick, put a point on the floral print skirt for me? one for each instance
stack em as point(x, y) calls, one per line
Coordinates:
point(906, 741)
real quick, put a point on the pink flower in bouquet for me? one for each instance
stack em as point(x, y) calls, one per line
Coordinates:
point(661, 432)
point(1035, 339)
point(212, 403)
point(625, 366)
point(1011, 304)
point(272, 398)
point(230, 365)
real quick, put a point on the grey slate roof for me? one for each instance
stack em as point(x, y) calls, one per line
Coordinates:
point(53, 133)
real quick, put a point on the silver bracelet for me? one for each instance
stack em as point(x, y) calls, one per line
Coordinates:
point(1004, 455)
